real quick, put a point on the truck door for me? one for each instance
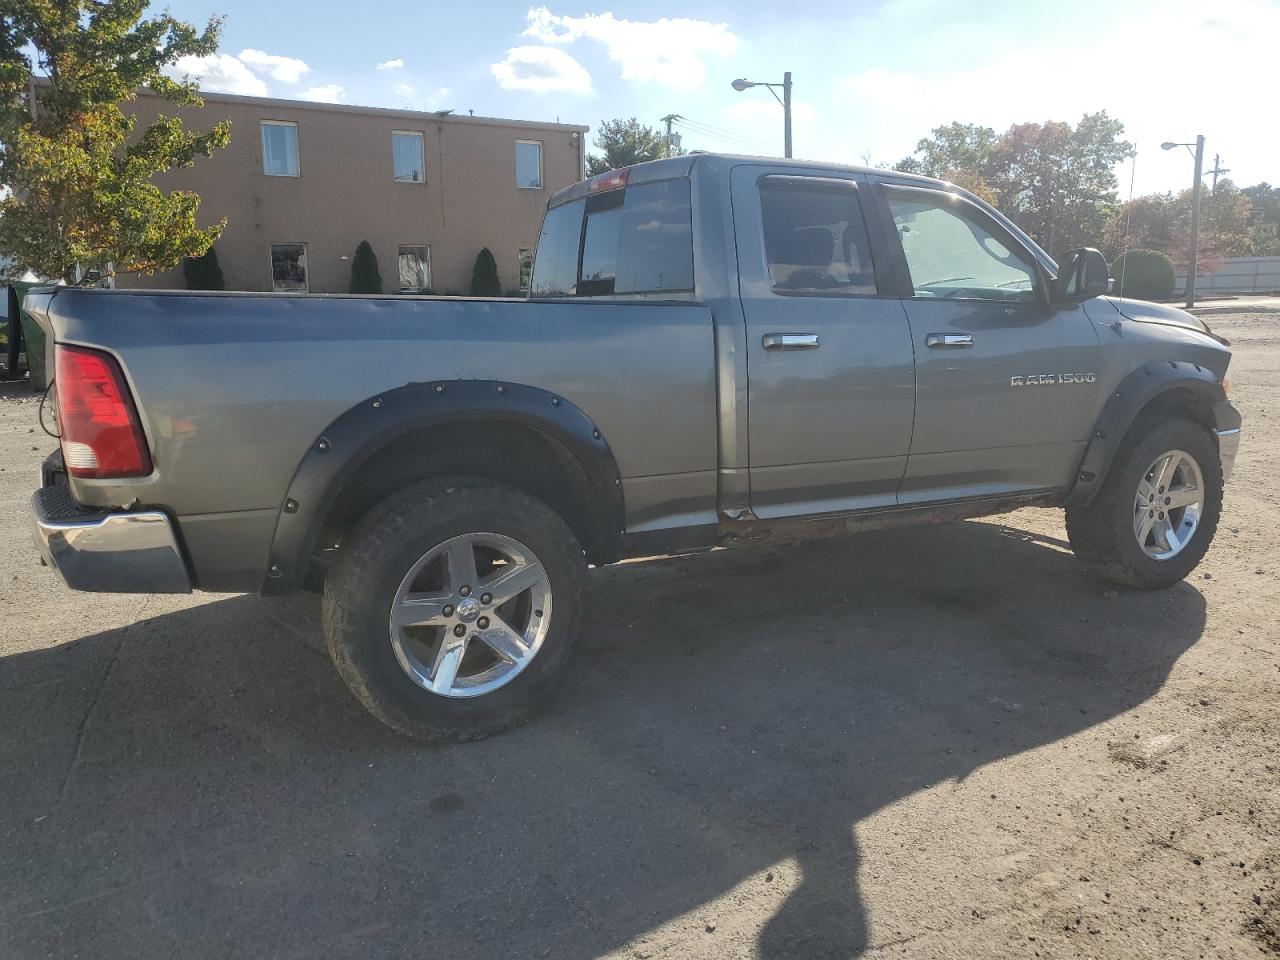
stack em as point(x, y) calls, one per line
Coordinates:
point(829, 356)
point(1006, 383)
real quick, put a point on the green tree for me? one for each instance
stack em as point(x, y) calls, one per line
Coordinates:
point(624, 142)
point(484, 276)
point(77, 170)
point(203, 272)
point(957, 148)
point(365, 277)
point(1264, 222)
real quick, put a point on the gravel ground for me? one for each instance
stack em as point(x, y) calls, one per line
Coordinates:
point(941, 742)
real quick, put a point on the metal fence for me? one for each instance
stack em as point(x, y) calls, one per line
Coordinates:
point(1237, 275)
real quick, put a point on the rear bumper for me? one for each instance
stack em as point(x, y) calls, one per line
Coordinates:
point(129, 552)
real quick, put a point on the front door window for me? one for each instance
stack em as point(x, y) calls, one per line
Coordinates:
point(953, 255)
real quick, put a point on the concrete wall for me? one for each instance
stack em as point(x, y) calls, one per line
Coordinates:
point(1237, 275)
point(345, 191)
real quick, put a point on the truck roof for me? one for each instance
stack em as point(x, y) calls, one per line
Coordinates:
point(672, 167)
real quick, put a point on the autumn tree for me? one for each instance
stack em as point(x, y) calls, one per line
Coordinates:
point(76, 168)
point(1054, 180)
point(624, 142)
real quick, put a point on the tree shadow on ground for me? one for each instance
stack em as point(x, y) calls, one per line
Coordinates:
point(727, 712)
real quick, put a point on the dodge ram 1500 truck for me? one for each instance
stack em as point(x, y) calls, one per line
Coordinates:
point(717, 350)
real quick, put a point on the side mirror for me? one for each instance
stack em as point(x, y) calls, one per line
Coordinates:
point(1082, 275)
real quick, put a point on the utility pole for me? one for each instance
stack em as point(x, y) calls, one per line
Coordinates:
point(1195, 223)
point(1217, 170)
point(786, 112)
point(669, 119)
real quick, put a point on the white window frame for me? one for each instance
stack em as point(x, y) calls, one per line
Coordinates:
point(541, 177)
point(297, 147)
point(413, 246)
point(306, 264)
point(422, 154)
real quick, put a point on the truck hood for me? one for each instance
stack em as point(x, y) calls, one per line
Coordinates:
point(1145, 312)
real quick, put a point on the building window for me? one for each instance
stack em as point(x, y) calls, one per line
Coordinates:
point(406, 156)
point(529, 164)
point(289, 267)
point(415, 269)
point(279, 148)
point(526, 268)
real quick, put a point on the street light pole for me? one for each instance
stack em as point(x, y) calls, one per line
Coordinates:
point(786, 113)
point(1195, 223)
point(741, 84)
point(1195, 211)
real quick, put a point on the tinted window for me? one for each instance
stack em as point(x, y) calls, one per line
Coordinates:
point(815, 238)
point(555, 266)
point(953, 254)
point(638, 240)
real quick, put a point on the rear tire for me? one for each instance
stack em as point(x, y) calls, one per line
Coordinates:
point(420, 625)
point(1160, 544)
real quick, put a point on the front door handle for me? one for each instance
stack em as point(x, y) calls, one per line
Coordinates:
point(790, 341)
point(949, 341)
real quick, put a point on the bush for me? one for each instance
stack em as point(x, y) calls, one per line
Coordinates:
point(365, 277)
point(1147, 275)
point(484, 277)
point(203, 272)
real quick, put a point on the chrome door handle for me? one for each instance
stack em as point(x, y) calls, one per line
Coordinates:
point(949, 341)
point(790, 341)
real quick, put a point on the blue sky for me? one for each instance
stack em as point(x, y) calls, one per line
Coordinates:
point(870, 78)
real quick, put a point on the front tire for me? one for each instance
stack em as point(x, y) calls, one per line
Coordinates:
point(452, 608)
point(1158, 509)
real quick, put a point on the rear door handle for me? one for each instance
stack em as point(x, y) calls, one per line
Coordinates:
point(949, 341)
point(790, 341)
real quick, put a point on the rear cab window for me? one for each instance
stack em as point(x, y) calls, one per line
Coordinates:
point(631, 241)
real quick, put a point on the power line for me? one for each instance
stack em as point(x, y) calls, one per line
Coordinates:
point(728, 136)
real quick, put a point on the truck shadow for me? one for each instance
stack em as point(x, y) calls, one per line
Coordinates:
point(731, 716)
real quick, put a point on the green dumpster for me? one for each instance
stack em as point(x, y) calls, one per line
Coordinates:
point(32, 346)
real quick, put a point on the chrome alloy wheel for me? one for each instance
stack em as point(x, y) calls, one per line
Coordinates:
point(1166, 510)
point(470, 615)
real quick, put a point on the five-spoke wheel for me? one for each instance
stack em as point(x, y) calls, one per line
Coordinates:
point(1166, 510)
point(470, 614)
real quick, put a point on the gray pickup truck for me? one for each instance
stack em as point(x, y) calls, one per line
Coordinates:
point(717, 350)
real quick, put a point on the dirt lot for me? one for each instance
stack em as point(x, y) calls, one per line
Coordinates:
point(947, 742)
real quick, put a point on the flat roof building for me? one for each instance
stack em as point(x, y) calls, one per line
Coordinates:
point(302, 183)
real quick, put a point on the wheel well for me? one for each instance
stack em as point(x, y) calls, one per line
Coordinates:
point(515, 454)
point(1181, 403)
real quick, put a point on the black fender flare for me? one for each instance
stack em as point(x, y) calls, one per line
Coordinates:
point(356, 435)
point(1128, 400)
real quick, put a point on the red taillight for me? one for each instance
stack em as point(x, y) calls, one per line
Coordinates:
point(101, 434)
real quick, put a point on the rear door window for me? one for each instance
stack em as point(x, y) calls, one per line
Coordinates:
point(815, 238)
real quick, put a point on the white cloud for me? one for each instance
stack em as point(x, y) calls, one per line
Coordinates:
point(887, 111)
point(668, 52)
point(403, 89)
point(220, 73)
point(395, 64)
point(541, 70)
point(324, 93)
point(284, 69)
